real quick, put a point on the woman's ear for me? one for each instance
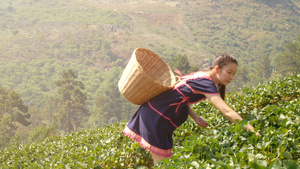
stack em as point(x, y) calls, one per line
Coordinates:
point(217, 68)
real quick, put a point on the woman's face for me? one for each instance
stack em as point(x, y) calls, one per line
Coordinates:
point(226, 73)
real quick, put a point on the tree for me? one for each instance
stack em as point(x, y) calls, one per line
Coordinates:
point(289, 60)
point(181, 63)
point(263, 69)
point(12, 113)
point(71, 101)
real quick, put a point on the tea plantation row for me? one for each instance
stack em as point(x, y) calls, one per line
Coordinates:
point(273, 108)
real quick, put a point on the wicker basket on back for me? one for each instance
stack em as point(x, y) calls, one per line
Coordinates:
point(145, 76)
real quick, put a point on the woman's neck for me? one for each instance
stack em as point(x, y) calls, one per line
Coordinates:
point(213, 75)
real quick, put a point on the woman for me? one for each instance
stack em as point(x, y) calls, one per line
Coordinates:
point(153, 124)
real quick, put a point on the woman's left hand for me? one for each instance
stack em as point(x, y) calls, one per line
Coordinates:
point(201, 122)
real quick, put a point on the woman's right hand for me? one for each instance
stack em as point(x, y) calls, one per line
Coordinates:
point(251, 128)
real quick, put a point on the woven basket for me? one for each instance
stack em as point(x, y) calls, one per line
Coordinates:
point(145, 76)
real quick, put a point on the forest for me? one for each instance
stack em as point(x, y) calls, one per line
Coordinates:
point(60, 61)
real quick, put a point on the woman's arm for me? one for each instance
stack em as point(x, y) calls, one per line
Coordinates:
point(231, 115)
point(201, 122)
point(192, 113)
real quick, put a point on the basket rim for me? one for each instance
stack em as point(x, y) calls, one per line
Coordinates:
point(167, 66)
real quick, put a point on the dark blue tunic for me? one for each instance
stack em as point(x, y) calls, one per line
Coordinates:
point(153, 124)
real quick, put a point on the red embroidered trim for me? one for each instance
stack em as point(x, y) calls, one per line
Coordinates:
point(135, 137)
point(184, 99)
point(195, 75)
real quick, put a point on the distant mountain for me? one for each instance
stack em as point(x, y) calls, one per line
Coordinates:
point(199, 29)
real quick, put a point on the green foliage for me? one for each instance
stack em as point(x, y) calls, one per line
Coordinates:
point(220, 145)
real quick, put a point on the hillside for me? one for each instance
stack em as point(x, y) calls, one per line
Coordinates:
point(41, 39)
point(273, 108)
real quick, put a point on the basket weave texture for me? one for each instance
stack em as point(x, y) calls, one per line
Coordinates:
point(145, 76)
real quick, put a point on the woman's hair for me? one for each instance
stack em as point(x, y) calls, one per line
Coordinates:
point(222, 60)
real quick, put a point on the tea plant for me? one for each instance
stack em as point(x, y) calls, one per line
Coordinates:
point(272, 108)
point(94, 148)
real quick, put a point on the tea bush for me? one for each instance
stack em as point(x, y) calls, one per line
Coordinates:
point(273, 108)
